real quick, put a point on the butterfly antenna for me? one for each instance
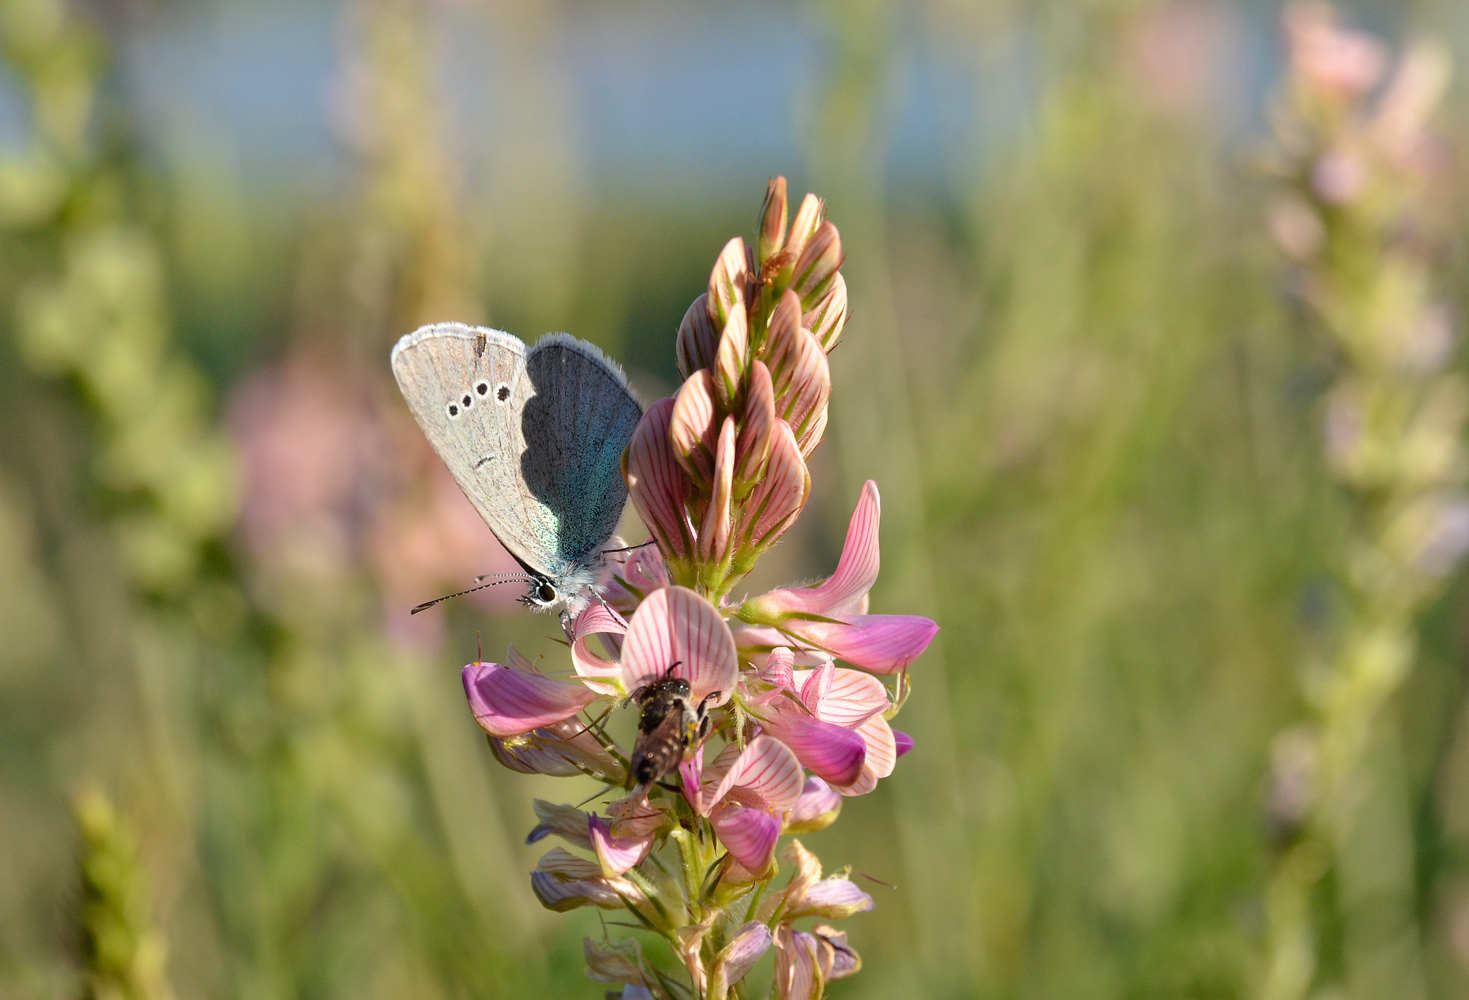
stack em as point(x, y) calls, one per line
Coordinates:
point(449, 597)
point(502, 577)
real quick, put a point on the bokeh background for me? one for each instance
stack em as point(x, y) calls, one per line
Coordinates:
point(1073, 366)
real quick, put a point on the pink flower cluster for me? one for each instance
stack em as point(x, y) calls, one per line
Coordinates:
point(718, 473)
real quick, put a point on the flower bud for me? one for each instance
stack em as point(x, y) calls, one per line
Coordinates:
point(804, 403)
point(803, 227)
point(842, 960)
point(614, 962)
point(692, 427)
point(776, 501)
point(827, 317)
point(698, 340)
point(817, 265)
point(781, 341)
point(715, 529)
point(727, 282)
point(773, 220)
point(816, 809)
point(729, 364)
point(756, 434)
point(657, 485)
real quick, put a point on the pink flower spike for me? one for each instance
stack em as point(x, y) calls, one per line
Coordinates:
point(830, 751)
point(715, 530)
point(884, 644)
point(902, 742)
point(617, 855)
point(747, 832)
point(657, 484)
point(698, 340)
point(845, 593)
point(598, 673)
point(672, 626)
point(508, 702)
point(816, 809)
point(691, 427)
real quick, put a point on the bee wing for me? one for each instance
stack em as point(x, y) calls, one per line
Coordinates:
point(657, 751)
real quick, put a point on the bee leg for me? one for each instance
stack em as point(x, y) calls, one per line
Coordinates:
point(669, 786)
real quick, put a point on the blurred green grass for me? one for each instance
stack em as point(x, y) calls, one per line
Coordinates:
point(1075, 374)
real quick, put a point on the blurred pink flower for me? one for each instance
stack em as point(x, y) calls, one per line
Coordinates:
point(1337, 63)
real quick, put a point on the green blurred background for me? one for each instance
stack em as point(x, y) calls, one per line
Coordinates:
point(1072, 367)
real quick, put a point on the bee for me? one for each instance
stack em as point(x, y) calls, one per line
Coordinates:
point(668, 729)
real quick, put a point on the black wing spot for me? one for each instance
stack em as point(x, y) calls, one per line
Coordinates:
point(502, 393)
point(467, 401)
point(453, 410)
point(482, 388)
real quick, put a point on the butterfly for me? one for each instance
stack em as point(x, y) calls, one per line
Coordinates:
point(534, 437)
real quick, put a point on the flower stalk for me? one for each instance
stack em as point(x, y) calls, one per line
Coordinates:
point(762, 734)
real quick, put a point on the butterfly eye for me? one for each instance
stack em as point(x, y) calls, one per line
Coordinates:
point(453, 409)
point(547, 593)
point(482, 388)
point(502, 393)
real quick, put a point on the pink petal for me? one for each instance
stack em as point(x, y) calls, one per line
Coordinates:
point(729, 363)
point(818, 265)
point(773, 222)
point(816, 809)
point(691, 427)
point(846, 591)
point(814, 687)
point(598, 673)
point(827, 317)
point(566, 822)
point(697, 338)
point(757, 430)
point(797, 975)
point(882, 754)
point(833, 753)
point(657, 483)
point(676, 625)
point(782, 342)
point(765, 768)
point(691, 776)
point(834, 898)
point(850, 699)
point(562, 749)
point(748, 833)
point(884, 644)
point(635, 816)
point(844, 959)
point(808, 217)
point(777, 499)
point(803, 403)
point(715, 529)
point(617, 855)
point(510, 702)
point(727, 282)
point(903, 741)
point(747, 947)
point(778, 667)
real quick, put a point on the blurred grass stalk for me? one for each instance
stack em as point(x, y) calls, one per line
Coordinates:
point(1359, 214)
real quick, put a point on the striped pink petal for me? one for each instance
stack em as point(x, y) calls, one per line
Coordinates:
point(691, 427)
point(738, 957)
point(727, 282)
point(715, 530)
point(509, 702)
point(884, 644)
point(830, 751)
point(849, 698)
point(802, 404)
point(816, 809)
point(657, 483)
point(808, 217)
point(766, 769)
point(882, 754)
point(677, 626)
point(826, 319)
point(757, 430)
point(772, 232)
point(834, 898)
point(797, 972)
point(602, 675)
point(698, 339)
point(778, 667)
point(729, 362)
point(563, 749)
point(749, 833)
point(818, 265)
point(783, 344)
point(617, 855)
point(845, 593)
point(777, 499)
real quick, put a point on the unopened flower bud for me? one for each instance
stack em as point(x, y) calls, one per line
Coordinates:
point(804, 403)
point(773, 220)
point(727, 282)
point(817, 265)
point(714, 532)
point(776, 501)
point(781, 341)
point(729, 363)
point(757, 430)
point(826, 319)
point(808, 217)
point(656, 483)
point(692, 428)
point(698, 340)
